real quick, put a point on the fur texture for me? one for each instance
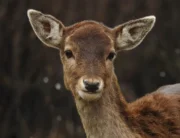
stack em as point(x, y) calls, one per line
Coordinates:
point(156, 115)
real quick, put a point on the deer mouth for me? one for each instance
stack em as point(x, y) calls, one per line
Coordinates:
point(91, 92)
point(88, 95)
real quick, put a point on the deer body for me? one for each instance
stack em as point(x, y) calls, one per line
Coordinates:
point(87, 51)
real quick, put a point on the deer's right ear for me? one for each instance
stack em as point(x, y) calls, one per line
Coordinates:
point(47, 28)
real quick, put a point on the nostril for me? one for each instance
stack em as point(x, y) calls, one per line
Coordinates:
point(85, 82)
point(91, 86)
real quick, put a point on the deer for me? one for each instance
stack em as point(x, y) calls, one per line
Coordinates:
point(87, 52)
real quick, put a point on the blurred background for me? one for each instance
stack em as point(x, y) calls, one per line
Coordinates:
point(33, 100)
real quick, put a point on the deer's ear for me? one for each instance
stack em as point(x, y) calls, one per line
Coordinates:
point(47, 28)
point(129, 35)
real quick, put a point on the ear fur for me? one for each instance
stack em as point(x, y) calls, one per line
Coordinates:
point(129, 35)
point(47, 28)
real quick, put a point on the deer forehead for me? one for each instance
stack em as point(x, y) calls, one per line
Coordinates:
point(89, 39)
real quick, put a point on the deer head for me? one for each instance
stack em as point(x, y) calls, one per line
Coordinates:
point(88, 49)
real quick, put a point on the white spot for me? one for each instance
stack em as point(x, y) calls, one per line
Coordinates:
point(177, 51)
point(58, 86)
point(162, 74)
point(46, 79)
point(59, 118)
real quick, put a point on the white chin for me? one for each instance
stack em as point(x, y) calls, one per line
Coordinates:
point(89, 96)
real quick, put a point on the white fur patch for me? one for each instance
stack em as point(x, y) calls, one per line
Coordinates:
point(151, 17)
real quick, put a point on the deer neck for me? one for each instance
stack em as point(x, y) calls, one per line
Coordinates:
point(104, 118)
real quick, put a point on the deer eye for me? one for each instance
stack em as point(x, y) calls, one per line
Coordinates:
point(68, 53)
point(111, 55)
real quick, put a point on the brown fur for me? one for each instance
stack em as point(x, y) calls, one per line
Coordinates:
point(155, 115)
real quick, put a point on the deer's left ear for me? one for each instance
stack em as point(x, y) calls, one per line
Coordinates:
point(129, 35)
point(47, 28)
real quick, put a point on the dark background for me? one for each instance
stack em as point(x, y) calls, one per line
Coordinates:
point(33, 100)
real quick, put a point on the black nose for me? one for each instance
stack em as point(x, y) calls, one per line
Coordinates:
point(91, 86)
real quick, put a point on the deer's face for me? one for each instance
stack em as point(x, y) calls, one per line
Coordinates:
point(87, 49)
point(87, 57)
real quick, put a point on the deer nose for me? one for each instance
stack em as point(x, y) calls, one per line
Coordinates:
point(91, 86)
